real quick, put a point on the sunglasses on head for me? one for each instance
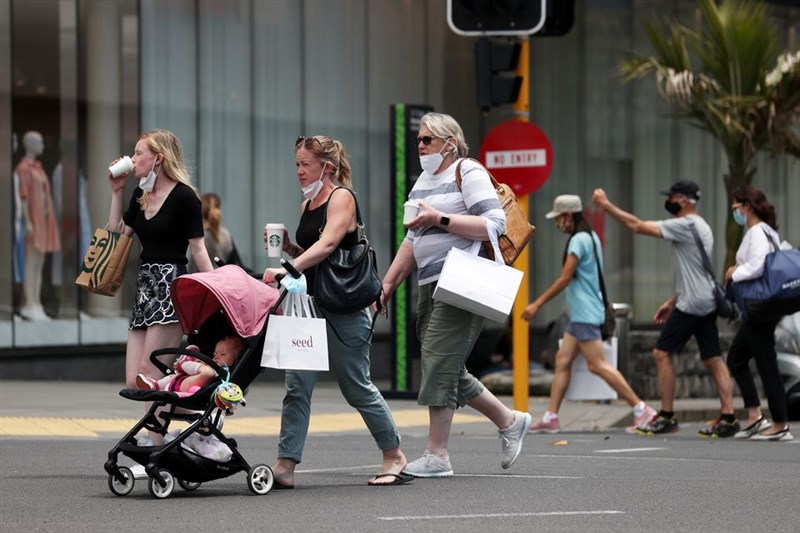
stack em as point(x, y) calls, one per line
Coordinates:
point(308, 142)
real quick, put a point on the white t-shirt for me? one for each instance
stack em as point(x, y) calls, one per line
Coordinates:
point(753, 251)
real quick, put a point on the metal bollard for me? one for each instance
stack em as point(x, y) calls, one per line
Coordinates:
point(623, 314)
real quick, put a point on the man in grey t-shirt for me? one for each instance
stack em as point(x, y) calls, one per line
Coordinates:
point(691, 310)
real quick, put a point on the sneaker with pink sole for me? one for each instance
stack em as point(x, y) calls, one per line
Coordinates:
point(639, 421)
point(540, 426)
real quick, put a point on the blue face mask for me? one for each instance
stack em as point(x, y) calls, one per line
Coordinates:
point(739, 218)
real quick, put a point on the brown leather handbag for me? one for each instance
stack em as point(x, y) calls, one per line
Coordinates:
point(518, 229)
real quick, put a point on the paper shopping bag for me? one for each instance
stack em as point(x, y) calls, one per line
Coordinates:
point(297, 340)
point(486, 288)
point(103, 265)
point(583, 385)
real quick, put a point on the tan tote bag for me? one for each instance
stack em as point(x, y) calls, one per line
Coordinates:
point(103, 265)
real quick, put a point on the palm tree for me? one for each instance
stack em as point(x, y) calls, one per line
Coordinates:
point(727, 77)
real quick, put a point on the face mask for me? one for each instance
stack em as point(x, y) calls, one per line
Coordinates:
point(148, 182)
point(431, 163)
point(311, 191)
point(739, 218)
point(673, 208)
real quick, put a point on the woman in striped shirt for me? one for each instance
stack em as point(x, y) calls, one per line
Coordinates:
point(449, 217)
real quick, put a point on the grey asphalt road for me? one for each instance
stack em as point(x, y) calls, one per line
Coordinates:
point(576, 481)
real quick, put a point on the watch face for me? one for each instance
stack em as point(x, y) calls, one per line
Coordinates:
point(445, 221)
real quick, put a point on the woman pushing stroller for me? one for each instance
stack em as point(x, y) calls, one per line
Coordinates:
point(319, 160)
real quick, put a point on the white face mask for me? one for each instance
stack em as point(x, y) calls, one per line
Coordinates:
point(148, 182)
point(431, 163)
point(312, 190)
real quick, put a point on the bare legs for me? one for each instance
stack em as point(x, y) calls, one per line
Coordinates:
point(141, 343)
point(716, 367)
point(441, 420)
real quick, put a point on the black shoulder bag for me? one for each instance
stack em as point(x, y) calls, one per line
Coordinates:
point(725, 307)
point(347, 280)
point(609, 322)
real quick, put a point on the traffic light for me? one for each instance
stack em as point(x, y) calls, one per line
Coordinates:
point(495, 63)
point(560, 18)
point(496, 17)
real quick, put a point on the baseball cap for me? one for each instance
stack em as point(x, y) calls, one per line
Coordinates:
point(565, 203)
point(685, 187)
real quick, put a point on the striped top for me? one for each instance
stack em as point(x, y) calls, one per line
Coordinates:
point(440, 191)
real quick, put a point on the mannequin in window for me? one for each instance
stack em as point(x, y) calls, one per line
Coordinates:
point(39, 219)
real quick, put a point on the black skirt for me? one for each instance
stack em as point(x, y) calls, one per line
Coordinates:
point(153, 300)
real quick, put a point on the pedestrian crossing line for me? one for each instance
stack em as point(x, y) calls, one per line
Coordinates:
point(499, 515)
point(237, 425)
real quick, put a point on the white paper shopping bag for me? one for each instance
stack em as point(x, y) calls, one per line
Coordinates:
point(296, 340)
point(583, 385)
point(486, 288)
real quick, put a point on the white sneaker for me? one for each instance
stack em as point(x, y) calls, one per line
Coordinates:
point(638, 421)
point(138, 472)
point(429, 466)
point(511, 438)
point(762, 424)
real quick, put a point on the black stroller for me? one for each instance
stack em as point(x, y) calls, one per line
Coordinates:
point(210, 306)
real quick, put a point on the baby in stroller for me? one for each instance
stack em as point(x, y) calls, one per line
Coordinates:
point(215, 309)
point(191, 374)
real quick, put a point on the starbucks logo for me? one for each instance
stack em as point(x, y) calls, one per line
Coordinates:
point(274, 241)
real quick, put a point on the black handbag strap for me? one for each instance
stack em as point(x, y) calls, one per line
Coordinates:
point(703, 254)
point(359, 221)
point(775, 247)
point(599, 271)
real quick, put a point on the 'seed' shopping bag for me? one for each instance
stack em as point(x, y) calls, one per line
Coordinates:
point(296, 340)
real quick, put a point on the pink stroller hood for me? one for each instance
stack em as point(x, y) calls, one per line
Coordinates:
point(246, 300)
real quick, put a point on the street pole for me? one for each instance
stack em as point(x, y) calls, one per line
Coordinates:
point(521, 340)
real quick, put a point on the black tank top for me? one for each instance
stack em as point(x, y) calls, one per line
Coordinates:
point(308, 232)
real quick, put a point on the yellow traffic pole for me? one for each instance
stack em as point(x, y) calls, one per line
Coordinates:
point(521, 340)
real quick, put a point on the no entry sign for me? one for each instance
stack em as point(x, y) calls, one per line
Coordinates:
point(518, 154)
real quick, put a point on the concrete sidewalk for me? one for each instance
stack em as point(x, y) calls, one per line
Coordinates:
point(87, 409)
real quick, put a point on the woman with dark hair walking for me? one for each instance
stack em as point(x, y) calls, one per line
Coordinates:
point(756, 339)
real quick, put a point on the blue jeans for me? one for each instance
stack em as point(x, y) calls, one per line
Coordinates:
point(351, 368)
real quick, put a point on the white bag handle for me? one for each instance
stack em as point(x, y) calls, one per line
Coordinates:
point(493, 230)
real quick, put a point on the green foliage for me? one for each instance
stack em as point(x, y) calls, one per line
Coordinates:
point(728, 77)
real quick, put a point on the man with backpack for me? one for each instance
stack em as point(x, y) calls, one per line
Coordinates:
point(690, 310)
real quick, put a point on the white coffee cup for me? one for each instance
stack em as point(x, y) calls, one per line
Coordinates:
point(410, 211)
point(274, 239)
point(122, 166)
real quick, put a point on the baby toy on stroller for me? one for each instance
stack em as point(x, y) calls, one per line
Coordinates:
point(210, 307)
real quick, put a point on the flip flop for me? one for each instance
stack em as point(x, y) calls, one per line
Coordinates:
point(399, 479)
point(280, 486)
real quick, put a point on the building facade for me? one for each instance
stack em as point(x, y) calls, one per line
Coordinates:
point(239, 80)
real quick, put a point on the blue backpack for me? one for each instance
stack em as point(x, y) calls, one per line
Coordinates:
point(777, 292)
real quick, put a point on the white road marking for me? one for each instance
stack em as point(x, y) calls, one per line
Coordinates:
point(499, 515)
point(624, 450)
point(522, 476)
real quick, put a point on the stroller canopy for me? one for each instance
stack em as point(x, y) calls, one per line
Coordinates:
point(245, 300)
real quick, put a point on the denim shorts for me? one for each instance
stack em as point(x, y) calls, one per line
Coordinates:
point(584, 332)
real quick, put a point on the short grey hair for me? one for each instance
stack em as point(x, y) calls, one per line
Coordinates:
point(446, 127)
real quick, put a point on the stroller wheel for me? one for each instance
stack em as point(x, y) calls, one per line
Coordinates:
point(157, 490)
point(121, 489)
point(189, 485)
point(260, 479)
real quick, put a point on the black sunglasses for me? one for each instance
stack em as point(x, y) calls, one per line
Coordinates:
point(426, 139)
point(308, 142)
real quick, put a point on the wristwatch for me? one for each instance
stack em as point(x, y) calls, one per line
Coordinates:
point(445, 221)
